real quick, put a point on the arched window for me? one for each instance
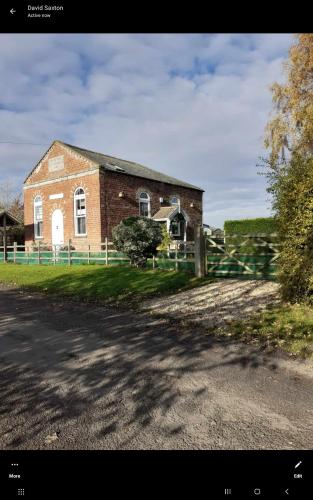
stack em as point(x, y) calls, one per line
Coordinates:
point(144, 204)
point(80, 211)
point(38, 217)
point(174, 200)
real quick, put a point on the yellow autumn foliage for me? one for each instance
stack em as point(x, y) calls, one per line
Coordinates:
point(291, 127)
point(291, 175)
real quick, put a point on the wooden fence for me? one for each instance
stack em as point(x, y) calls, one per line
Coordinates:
point(178, 256)
point(243, 255)
point(237, 255)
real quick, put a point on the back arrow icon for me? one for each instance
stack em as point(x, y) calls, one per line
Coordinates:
point(287, 491)
point(12, 11)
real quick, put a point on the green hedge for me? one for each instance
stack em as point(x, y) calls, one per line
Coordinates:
point(245, 226)
point(253, 247)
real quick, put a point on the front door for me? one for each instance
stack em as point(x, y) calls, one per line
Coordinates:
point(57, 227)
point(178, 227)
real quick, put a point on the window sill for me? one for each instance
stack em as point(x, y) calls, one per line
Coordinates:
point(80, 235)
point(38, 237)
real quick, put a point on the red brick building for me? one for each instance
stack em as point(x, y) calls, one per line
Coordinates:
point(79, 195)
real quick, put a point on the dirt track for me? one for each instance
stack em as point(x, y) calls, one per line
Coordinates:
point(90, 377)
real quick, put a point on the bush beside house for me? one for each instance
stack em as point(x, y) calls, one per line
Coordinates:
point(138, 238)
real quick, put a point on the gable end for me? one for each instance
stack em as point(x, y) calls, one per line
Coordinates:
point(56, 162)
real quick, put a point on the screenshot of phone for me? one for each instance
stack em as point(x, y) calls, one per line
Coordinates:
point(156, 320)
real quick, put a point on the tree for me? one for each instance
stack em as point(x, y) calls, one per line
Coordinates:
point(166, 239)
point(290, 175)
point(138, 237)
point(11, 201)
point(16, 208)
point(291, 128)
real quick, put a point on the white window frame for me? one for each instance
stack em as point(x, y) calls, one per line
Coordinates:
point(145, 200)
point(38, 203)
point(81, 196)
point(178, 201)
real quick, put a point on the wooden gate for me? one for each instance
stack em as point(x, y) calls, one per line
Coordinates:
point(243, 255)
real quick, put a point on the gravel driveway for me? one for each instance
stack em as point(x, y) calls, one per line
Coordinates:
point(217, 303)
point(75, 376)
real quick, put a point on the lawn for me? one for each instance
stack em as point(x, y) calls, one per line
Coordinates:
point(96, 282)
point(289, 327)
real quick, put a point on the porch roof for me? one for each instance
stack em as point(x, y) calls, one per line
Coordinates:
point(165, 213)
point(9, 219)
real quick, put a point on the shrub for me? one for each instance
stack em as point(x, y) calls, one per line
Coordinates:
point(65, 248)
point(44, 247)
point(166, 239)
point(138, 237)
point(293, 195)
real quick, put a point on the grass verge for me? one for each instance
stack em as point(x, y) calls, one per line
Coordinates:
point(289, 327)
point(98, 283)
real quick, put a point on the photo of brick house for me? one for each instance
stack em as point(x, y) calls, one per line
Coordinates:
point(80, 195)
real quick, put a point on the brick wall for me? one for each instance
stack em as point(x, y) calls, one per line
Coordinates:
point(73, 163)
point(73, 172)
point(105, 209)
point(114, 208)
point(90, 184)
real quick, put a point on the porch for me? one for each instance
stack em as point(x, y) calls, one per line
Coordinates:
point(176, 220)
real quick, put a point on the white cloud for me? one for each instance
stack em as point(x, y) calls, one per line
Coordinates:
point(192, 106)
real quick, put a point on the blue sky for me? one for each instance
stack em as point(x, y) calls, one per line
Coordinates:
point(190, 105)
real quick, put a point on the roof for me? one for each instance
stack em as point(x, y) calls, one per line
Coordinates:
point(164, 213)
point(213, 228)
point(128, 167)
point(11, 220)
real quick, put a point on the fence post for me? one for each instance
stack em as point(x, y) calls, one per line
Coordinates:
point(199, 250)
point(176, 256)
point(38, 251)
point(69, 260)
point(4, 249)
point(4, 237)
point(88, 258)
point(27, 248)
point(153, 261)
point(106, 251)
point(14, 251)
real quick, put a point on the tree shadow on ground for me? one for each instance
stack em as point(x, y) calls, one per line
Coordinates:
point(59, 359)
